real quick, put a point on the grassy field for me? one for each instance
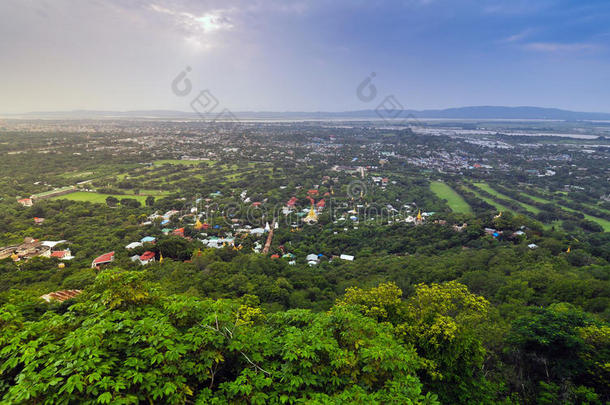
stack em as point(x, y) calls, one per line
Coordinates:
point(97, 197)
point(603, 222)
point(489, 201)
point(455, 201)
point(486, 187)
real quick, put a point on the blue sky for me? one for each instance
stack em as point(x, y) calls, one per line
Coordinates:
point(290, 55)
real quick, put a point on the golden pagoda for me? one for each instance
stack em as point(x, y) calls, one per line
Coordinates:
point(419, 219)
point(312, 217)
point(198, 225)
point(14, 257)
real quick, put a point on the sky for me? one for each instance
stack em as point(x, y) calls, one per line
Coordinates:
point(292, 55)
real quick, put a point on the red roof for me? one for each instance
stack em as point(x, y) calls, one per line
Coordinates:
point(178, 232)
point(61, 296)
point(147, 255)
point(276, 256)
point(313, 191)
point(256, 204)
point(292, 202)
point(59, 254)
point(206, 226)
point(105, 258)
point(321, 204)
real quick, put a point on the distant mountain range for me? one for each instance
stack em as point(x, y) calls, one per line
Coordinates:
point(465, 113)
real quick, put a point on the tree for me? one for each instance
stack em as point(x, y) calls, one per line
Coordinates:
point(112, 201)
point(124, 342)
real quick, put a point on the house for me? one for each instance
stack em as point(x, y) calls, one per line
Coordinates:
point(60, 296)
point(321, 204)
point(217, 243)
point(51, 243)
point(460, 228)
point(347, 257)
point(312, 259)
point(532, 246)
point(147, 257)
point(38, 220)
point(148, 239)
point(178, 232)
point(133, 245)
point(292, 202)
point(29, 248)
point(170, 214)
point(103, 259)
point(257, 231)
point(26, 202)
point(62, 254)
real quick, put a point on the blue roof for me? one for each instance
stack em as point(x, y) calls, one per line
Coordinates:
point(148, 239)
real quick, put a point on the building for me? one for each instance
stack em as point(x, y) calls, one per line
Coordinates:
point(312, 217)
point(133, 245)
point(26, 250)
point(60, 296)
point(103, 259)
point(62, 255)
point(26, 202)
point(147, 257)
point(312, 259)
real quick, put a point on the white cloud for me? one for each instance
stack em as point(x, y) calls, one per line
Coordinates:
point(557, 47)
point(518, 36)
point(196, 29)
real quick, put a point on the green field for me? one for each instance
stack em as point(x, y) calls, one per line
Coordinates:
point(527, 207)
point(97, 197)
point(455, 201)
point(489, 201)
point(603, 222)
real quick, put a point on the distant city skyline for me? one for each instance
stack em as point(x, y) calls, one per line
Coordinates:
point(275, 55)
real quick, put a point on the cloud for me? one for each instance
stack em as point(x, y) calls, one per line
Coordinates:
point(557, 47)
point(518, 36)
point(197, 27)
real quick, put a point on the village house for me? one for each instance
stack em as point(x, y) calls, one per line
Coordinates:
point(144, 258)
point(26, 250)
point(26, 202)
point(103, 259)
point(60, 296)
point(62, 254)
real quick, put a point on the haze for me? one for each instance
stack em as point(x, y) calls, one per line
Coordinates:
point(303, 56)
